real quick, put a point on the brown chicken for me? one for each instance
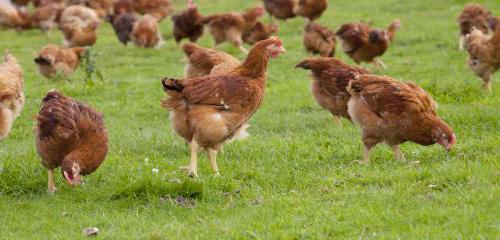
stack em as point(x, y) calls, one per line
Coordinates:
point(394, 112)
point(484, 54)
point(231, 26)
point(102, 7)
point(41, 3)
point(53, 60)
point(146, 33)
point(319, 39)
point(11, 93)
point(330, 77)
point(79, 25)
point(280, 9)
point(160, 9)
point(364, 44)
point(70, 135)
point(204, 61)
point(186, 24)
point(311, 9)
point(12, 17)
point(123, 6)
point(260, 32)
point(46, 16)
point(123, 25)
point(209, 111)
point(474, 16)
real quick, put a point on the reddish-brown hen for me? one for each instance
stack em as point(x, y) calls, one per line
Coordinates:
point(209, 111)
point(102, 7)
point(484, 54)
point(394, 112)
point(123, 24)
point(311, 9)
point(280, 9)
point(364, 44)
point(70, 135)
point(11, 93)
point(260, 32)
point(186, 24)
point(231, 26)
point(123, 6)
point(330, 77)
point(46, 16)
point(146, 33)
point(474, 16)
point(79, 25)
point(53, 60)
point(204, 61)
point(319, 39)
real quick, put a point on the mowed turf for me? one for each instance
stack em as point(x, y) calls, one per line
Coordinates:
point(294, 177)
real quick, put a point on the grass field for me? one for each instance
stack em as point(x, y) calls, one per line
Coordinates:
point(294, 178)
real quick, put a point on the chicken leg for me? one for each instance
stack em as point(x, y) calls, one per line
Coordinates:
point(212, 156)
point(192, 168)
point(487, 83)
point(397, 153)
point(461, 42)
point(51, 186)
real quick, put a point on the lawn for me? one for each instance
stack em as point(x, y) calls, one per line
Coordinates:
point(295, 177)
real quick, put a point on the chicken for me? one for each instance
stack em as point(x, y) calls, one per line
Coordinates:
point(53, 60)
point(21, 3)
point(231, 26)
point(209, 111)
point(260, 32)
point(46, 16)
point(473, 16)
point(160, 9)
point(364, 44)
point(123, 6)
point(11, 17)
point(41, 3)
point(484, 54)
point(79, 25)
point(311, 9)
point(70, 135)
point(330, 77)
point(320, 40)
point(186, 24)
point(146, 33)
point(394, 112)
point(123, 25)
point(11, 93)
point(280, 9)
point(102, 7)
point(203, 61)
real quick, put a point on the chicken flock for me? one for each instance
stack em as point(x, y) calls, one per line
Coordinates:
point(214, 101)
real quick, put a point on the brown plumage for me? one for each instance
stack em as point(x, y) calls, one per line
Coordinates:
point(123, 25)
point(204, 61)
point(319, 39)
point(102, 7)
point(70, 135)
point(79, 25)
point(53, 60)
point(11, 93)
point(231, 26)
point(47, 16)
point(186, 24)
point(123, 6)
point(260, 32)
point(330, 77)
point(209, 111)
point(280, 9)
point(146, 33)
point(364, 44)
point(12, 17)
point(394, 112)
point(474, 16)
point(159, 9)
point(311, 9)
point(484, 54)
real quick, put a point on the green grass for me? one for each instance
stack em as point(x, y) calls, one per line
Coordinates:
point(294, 178)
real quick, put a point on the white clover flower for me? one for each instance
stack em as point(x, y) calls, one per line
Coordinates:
point(155, 170)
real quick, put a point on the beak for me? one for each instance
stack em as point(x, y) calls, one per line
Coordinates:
point(75, 181)
point(282, 50)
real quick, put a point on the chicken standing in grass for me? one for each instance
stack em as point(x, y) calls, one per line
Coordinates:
point(11, 93)
point(123, 24)
point(365, 44)
point(53, 60)
point(280, 9)
point(311, 9)
point(186, 24)
point(209, 111)
point(70, 135)
point(260, 32)
point(79, 25)
point(330, 77)
point(394, 112)
point(319, 39)
point(204, 61)
point(474, 16)
point(484, 54)
point(146, 33)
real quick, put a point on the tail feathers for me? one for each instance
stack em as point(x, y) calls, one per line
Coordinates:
point(393, 28)
point(171, 84)
point(240, 134)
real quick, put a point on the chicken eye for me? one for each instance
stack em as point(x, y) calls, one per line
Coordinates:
point(445, 137)
point(474, 62)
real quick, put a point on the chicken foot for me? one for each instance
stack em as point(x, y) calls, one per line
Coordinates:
point(461, 43)
point(51, 186)
point(192, 168)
